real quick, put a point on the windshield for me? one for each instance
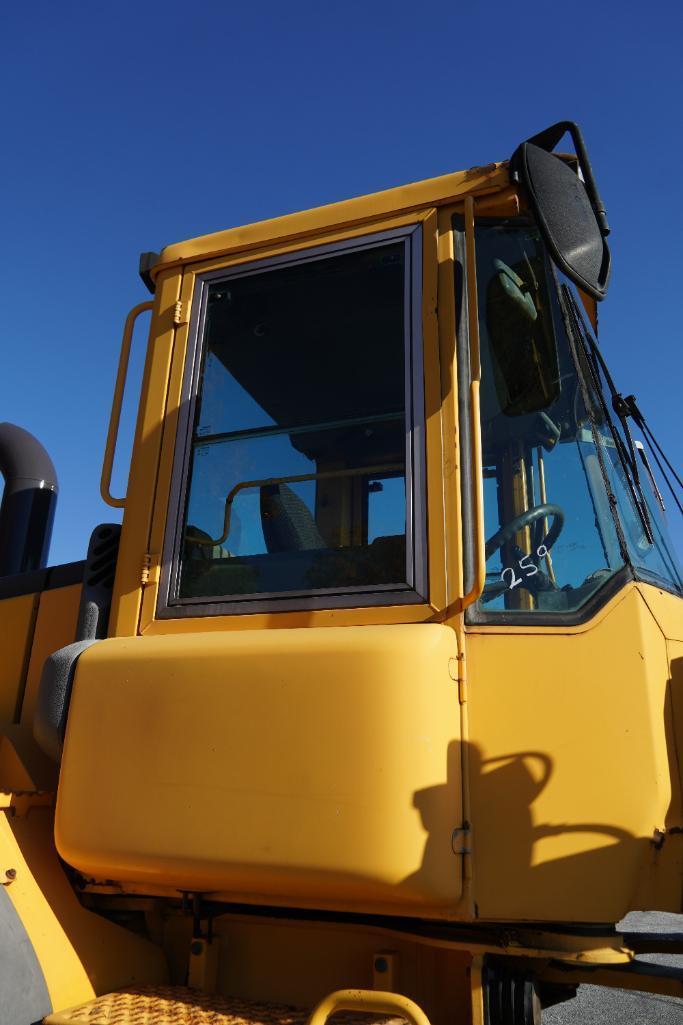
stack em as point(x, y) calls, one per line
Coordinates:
point(638, 502)
point(560, 505)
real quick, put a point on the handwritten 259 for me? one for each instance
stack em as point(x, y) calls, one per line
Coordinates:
point(529, 569)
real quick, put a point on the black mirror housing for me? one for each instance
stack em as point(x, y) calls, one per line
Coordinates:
point(568, 210)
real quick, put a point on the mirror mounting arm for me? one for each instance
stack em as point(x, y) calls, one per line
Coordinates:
point(566, 205)
point(548, 140)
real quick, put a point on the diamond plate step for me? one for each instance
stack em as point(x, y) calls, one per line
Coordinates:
point(177, 1005)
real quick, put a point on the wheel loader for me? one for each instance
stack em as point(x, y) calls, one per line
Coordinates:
point(373, 702)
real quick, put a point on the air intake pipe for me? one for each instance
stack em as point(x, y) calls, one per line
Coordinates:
point(29, 501)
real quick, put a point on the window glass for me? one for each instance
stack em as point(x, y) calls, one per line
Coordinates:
point(652, 557)
point(305, 344)
point(297, 480)
point(551, 537)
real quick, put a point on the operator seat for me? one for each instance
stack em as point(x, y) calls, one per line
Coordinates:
point(288, 525)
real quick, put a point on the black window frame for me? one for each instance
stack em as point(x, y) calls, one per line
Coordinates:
point(415, 590)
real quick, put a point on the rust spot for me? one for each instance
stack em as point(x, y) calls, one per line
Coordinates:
point(658, 838)
point(479, 169)
point(660, 835)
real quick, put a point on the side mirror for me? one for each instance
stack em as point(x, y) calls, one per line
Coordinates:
point(567, 207)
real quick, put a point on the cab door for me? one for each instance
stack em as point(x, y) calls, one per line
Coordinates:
point(573, 770)
point(289, 698)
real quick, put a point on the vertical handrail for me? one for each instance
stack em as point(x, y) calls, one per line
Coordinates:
point(477, 469)
point(117, 402)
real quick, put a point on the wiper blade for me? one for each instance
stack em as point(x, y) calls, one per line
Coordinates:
point(628, 457)
point(636, 415)
point(628, 407)
point(580, 354)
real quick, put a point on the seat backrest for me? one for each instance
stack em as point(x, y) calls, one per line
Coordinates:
point(288, 525)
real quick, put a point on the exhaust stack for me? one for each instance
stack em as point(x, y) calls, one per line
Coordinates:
point(28, 503)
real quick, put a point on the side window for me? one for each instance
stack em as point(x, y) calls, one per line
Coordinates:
point(300, 468)
point(551, 543)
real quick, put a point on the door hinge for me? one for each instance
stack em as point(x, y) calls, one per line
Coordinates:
point(149, 573)
point(179, 313)
point(455, 669)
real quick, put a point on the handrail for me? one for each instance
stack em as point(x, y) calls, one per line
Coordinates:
point(368, 1001)
point(269, 481)
point(475, 411)
point(117, 402)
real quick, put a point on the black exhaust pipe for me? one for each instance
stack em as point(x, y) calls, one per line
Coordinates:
point(29, 501)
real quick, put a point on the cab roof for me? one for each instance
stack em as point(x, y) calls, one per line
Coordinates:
point(433, 192)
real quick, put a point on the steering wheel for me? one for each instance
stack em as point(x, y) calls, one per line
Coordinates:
point(526, 519)
point(494, 588)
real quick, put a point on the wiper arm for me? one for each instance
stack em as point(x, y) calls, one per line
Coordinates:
point(578, 350)
point(625, 408)
point(628, 459)
point(634, 412)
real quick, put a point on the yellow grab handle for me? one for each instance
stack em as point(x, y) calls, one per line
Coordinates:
point(115, 416)
point(475, 417)
point(368, 1001)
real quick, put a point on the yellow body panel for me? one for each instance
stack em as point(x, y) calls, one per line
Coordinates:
point(55, 627)
point(17, 618)
point(315, 767)
point(80, 953)
point(569, 869)
point(667, 611)
point(570, 763)
point(405, 765)
point(342, 956)
point(31, 628)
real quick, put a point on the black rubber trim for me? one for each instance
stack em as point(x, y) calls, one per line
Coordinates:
point(646, 577)
point(42, 580)
point(533, 619)
point(65, 575)
point(199, 608)
point(23, 583)
point(490, 932)
point(148, 262)
point(54, 695)
point(24, 993)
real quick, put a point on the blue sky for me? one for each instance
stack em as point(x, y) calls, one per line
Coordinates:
point(129, 126)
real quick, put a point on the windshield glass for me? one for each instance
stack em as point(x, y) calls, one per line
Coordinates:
point(553, 475)
point(638, 504)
